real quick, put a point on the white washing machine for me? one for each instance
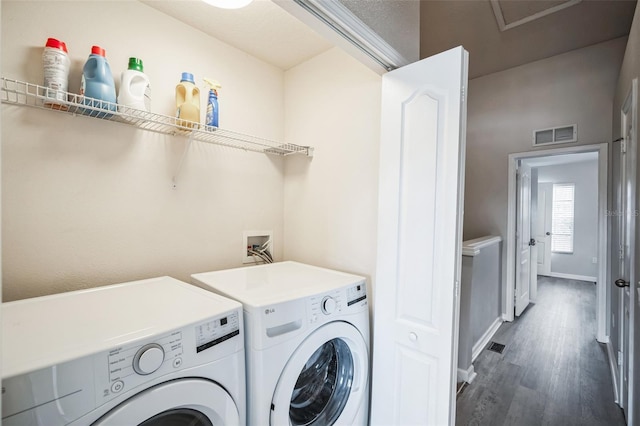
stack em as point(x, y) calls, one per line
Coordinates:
point(152, 352)
point(307, 342)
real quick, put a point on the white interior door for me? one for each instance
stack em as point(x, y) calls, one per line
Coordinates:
point(626, 283)
point(419, 241)
point(523, 238)
point(543, 229)
point(533, 258)
point(621, 278)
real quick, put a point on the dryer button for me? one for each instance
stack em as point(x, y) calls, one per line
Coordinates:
point(328, 305)
point(177, 362)
point(148, 359)
point(117, 386)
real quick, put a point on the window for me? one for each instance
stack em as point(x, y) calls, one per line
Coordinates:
point(562, 218)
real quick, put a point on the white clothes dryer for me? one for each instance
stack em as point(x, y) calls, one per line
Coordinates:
point(307, 342)
point(152, 352)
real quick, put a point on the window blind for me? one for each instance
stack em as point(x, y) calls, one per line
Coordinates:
point(562, 216)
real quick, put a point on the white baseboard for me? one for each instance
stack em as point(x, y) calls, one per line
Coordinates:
point(467, 375)
point(485, 339)
point(613, 365)
point(573, 277)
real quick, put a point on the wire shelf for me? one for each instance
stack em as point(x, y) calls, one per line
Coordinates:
point(32, 95)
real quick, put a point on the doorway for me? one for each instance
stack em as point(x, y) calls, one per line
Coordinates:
point(564, 215)
point(513, 245)
point(556, 215)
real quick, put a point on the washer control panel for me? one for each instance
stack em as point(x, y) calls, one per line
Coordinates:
point(322, 306)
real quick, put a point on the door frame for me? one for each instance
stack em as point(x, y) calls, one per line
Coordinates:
point(629, 108)
point(508, 290)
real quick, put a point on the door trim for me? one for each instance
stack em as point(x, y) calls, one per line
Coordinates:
point(508, 290)
point(630, 107)
point(613, 367)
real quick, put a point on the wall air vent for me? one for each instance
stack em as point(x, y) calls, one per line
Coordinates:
point(555, 135)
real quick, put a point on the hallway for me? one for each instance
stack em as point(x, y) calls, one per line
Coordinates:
point(552, 370)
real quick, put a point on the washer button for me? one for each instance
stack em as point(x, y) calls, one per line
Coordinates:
point(177, 362)
point(117, 386)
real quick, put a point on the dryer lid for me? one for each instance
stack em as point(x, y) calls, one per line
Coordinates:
point(50, 330)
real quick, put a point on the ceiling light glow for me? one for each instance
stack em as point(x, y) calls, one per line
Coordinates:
point(228, 4)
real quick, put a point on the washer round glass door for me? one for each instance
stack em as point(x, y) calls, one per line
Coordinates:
point(325, 379)
point(194, 402)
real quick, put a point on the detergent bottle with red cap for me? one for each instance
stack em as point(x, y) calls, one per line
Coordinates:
point(98, 86)
point(55, 60)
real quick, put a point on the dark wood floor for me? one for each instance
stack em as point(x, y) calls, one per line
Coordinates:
point(552, 370)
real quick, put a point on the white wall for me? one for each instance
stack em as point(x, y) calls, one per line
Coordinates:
point(585, 242)
point(504, 108)
point(332, 102)
point(88, 203)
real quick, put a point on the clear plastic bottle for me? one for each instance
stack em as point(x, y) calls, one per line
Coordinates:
point(55, 61)
point(135, 87)
point(97, 83)
point(187, 101)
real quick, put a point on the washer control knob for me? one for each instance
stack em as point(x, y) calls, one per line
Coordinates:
point(328, 305)
point(148, 359)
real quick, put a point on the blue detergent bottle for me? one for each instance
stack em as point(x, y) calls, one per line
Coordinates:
point(98, 84)
point(212, 104)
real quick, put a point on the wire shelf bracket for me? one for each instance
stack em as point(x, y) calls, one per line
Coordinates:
point(184, 155)
point(17, 92)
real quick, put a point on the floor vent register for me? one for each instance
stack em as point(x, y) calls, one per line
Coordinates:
point(496, 347)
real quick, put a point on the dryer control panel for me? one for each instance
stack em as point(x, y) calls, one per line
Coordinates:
point(356, 294)
point(217, 331)
point(134, 359)
point(131, 365)
point(65, 392)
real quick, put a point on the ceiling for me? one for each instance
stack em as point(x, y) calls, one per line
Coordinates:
point(266, 31)
point(262, 29)
point(448, 23)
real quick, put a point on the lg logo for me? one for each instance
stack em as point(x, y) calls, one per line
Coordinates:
point(269, 311)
